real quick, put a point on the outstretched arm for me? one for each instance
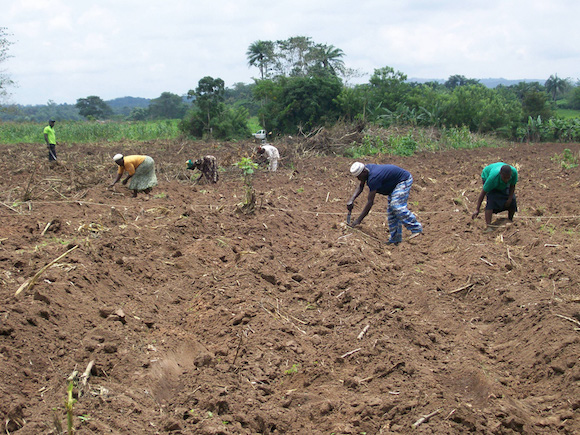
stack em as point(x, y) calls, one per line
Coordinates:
point(368, 206)
point(478, 206)
point(116, 180)
point(357, 192)
point(510, 195)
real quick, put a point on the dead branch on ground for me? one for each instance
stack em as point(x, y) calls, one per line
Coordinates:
point(28, 284)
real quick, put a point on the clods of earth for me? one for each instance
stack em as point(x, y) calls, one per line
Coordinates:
point(180, 312)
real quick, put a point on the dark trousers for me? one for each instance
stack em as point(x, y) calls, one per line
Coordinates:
point(51, 152)
point(496, 200)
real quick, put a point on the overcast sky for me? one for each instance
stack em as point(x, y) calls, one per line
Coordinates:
point(69, 49)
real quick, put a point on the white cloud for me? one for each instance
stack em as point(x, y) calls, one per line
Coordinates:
point(114, 48)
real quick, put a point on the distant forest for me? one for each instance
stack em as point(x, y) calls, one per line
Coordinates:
point(303, 86)
point(126, 108)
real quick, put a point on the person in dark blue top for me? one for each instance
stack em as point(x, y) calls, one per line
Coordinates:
point(395, 183)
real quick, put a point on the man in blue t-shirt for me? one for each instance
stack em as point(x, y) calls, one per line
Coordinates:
point(395, 183)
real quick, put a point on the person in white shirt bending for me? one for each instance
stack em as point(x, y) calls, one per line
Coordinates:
point(272, 155)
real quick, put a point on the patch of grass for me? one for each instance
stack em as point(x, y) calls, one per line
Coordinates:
point(254, 124)
point(550, 229)
point(402, 145)
point(90, 131)
point(370, 146)
point(567, 159)
point(568, 113)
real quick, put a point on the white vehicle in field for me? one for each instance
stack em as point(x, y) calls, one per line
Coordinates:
point(261, 135)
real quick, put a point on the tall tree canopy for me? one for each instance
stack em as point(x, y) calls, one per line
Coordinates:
point(297, 56)
point(94, 107)
point(167, 106)
point(556, 86)
point(261, 55)
point(459, 80)
point(5, 80)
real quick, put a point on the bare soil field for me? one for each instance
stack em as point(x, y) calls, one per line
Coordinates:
point(200, 319)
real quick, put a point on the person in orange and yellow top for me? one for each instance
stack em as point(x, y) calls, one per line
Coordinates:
point(140, 170)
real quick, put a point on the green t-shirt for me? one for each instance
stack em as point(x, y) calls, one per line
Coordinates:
point(492, 180)
point(49, 131)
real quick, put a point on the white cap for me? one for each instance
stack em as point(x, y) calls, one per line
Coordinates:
point(356, 168)
point(117, 157)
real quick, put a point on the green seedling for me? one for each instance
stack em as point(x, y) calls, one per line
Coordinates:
point(248, 168)
point(292, 370)
point(69, 406)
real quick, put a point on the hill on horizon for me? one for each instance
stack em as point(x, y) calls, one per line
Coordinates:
point(488, 82)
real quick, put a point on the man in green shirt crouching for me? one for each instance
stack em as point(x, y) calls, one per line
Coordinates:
point(499, 184)
point(50, 139)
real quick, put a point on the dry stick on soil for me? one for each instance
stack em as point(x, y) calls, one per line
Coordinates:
point(425, 418)
point(11, 208)
point(279, 316)
point(351, 352)
point(512, 234)
point(511, 259)
point(28, 284)
point(363, 332)
point(237, 350)
point(463, 287)
point(27, 191)
point(87, 372)
point(46, 228)
point(487, 262)
point(569, 318)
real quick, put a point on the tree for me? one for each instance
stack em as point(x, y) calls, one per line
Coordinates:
point(556, 86)
point(459, 80)
point(208, 94)
point(481, 109)
point(261, 55)
point(297, 56)
point(535, 103)
point(167, 106)
point(294, 55)
point(387, 89)
point(522, 88)
point(575, 98)
point(93, 107)
point(300, 103)
point(329, 58)
point(139, 114)
point(5, 80)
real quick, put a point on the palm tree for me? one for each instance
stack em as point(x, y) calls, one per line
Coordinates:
point(331, 58)
point(555, 85)
point(260, 54)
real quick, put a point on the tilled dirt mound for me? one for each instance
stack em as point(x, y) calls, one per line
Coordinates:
point(200, 319)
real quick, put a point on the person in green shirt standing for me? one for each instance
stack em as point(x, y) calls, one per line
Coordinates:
point(50, 139)
point(499, 184)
